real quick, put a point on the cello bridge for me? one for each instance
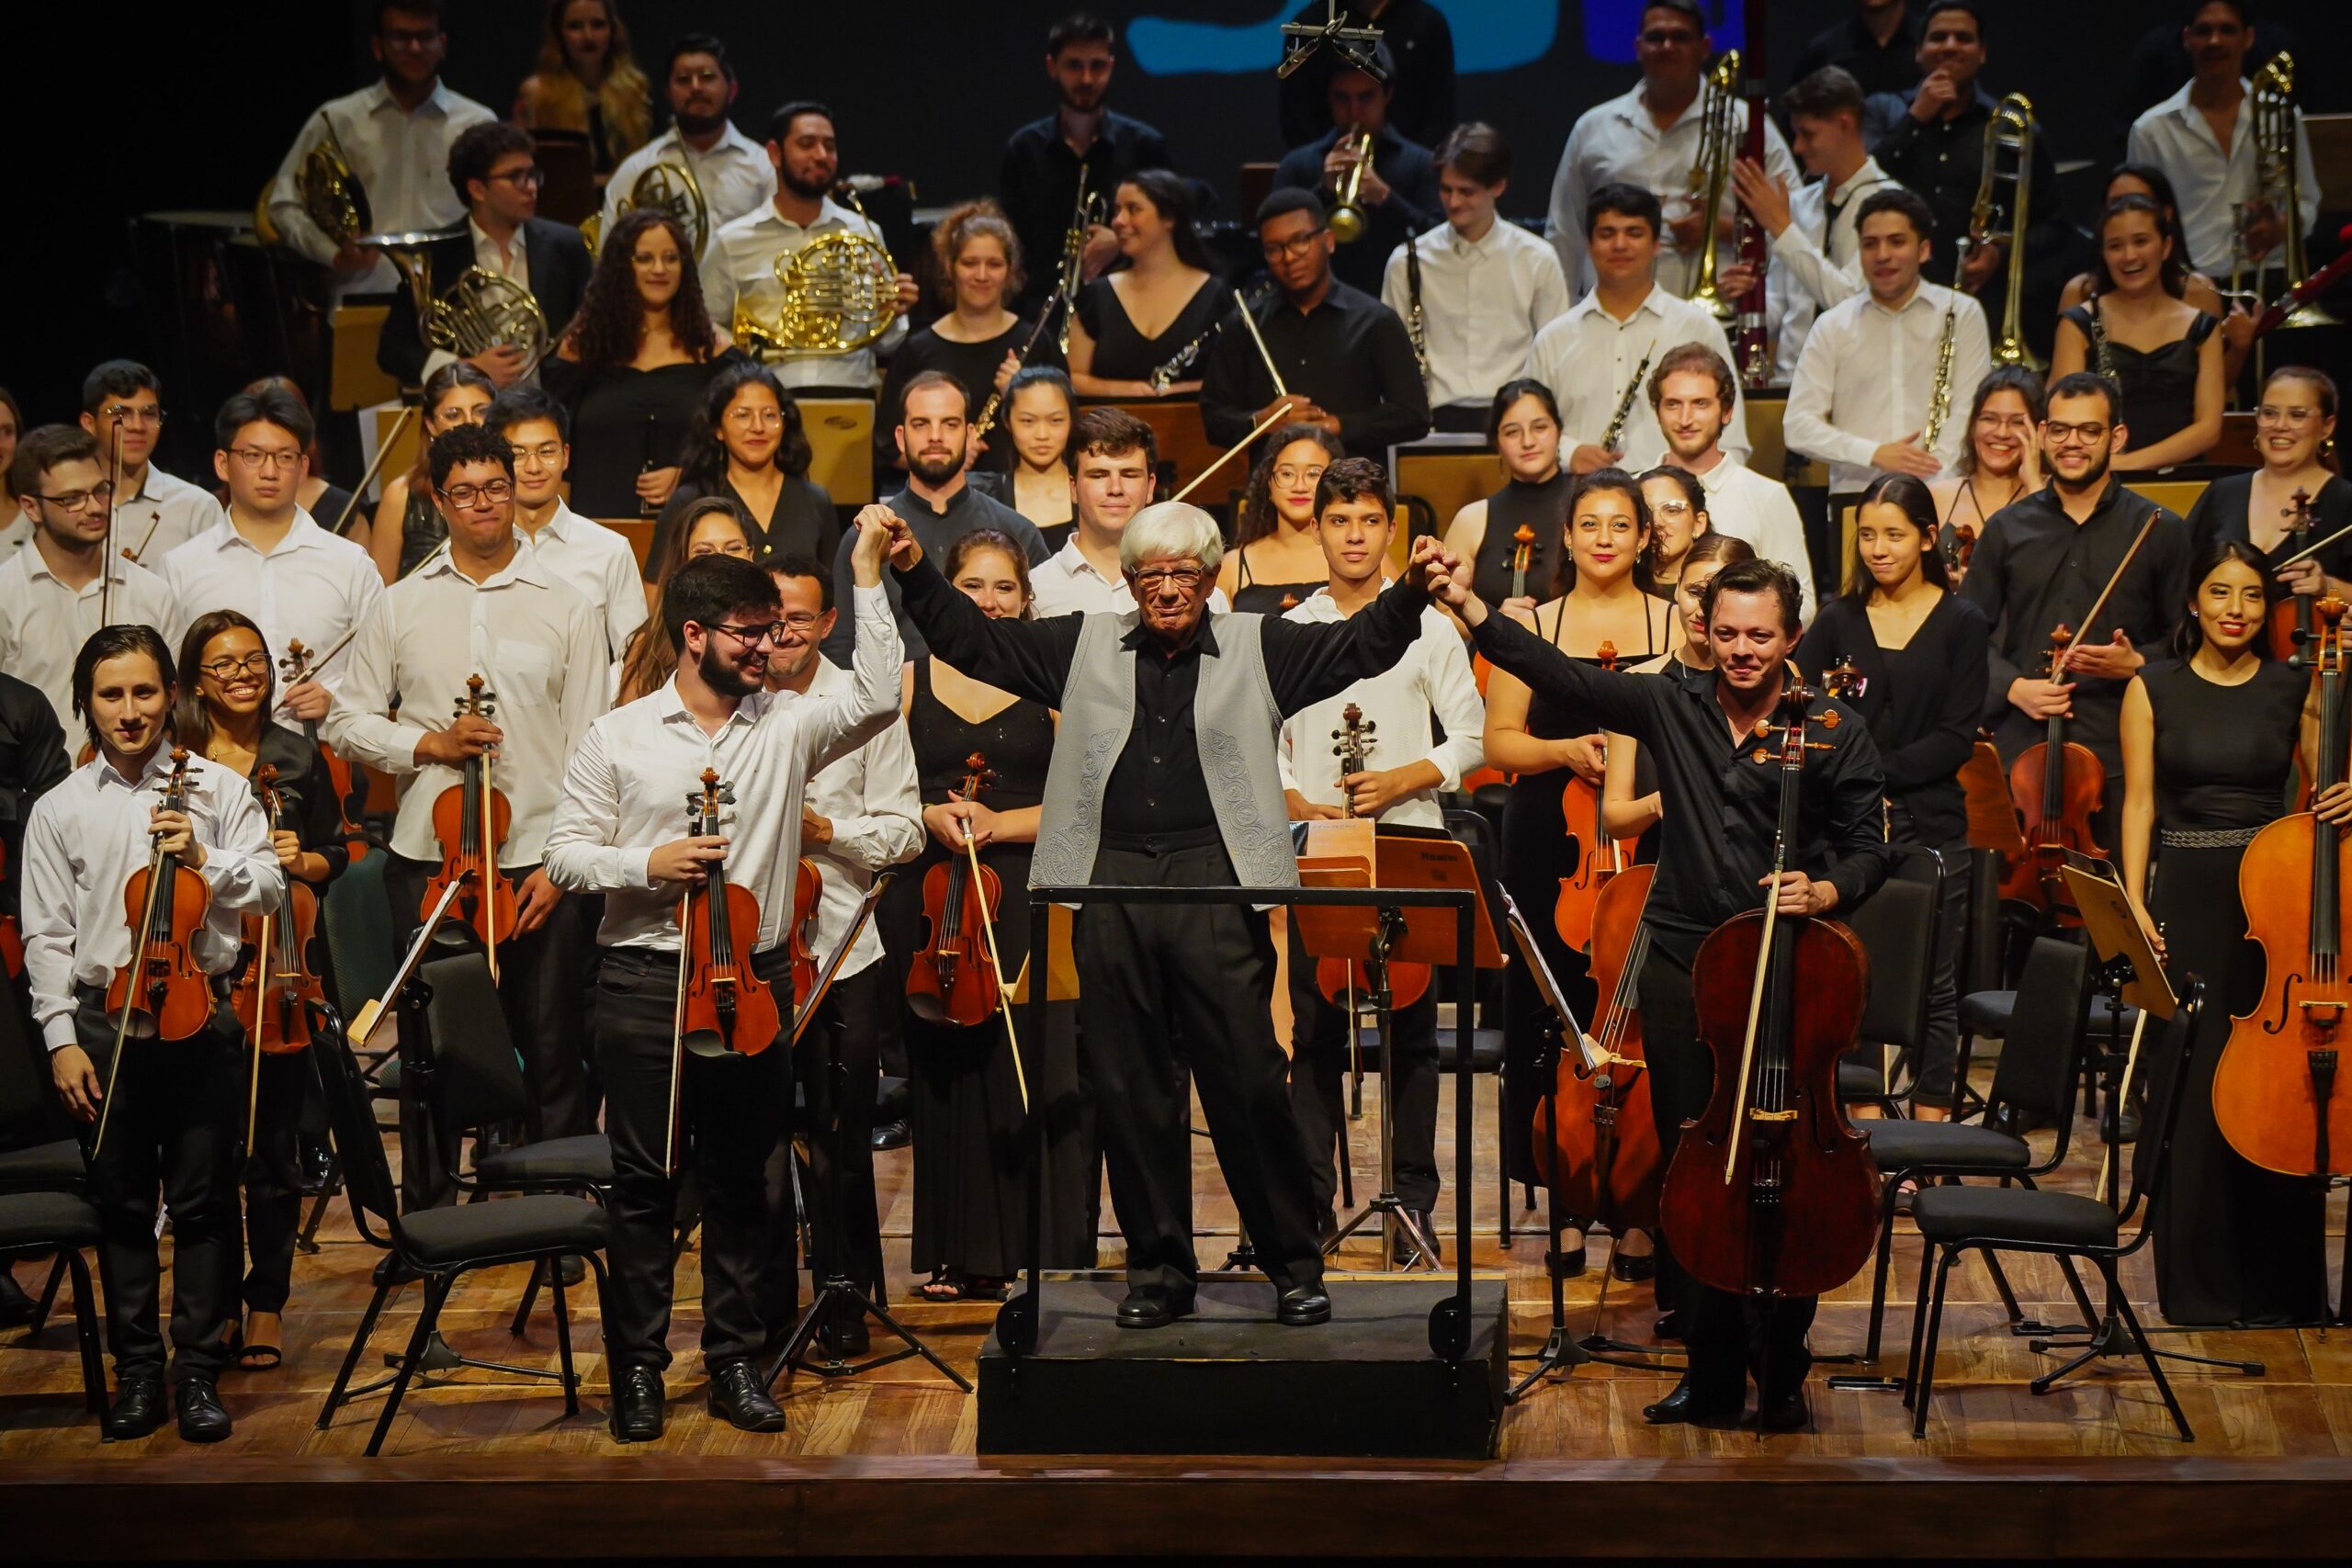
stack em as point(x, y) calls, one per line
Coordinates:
point(1757, 1113)
point(2323, 1014)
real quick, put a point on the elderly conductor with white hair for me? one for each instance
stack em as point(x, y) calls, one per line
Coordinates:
point(1164, 775)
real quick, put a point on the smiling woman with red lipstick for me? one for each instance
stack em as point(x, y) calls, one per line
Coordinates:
point(2163, 353)
point(2294, 435)
point(2210, 741)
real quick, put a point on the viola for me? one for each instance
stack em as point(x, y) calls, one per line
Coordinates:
point(1772, 1191)
point(350, 788)
point(723, 1008)
point(1601, 1153)
point(951, 979)
point(2290, 618)
point(1341, 979)
point(281, 979)
point(161, 994)
point(1598, 857)
point(2275, 1094)
point(2055, 785)
point(471, 819)
point(807, 889)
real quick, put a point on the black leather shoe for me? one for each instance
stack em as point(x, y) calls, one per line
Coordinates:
point(892, 1135)
point(1567, 1265)
point(1668, 1326)
point(1783, 1413)
point(138, 1409)
point(1631, 1269)
point(1686, 1404)
point(1303, 1306)
point(1151, 1307)
point(1408, 1252)
point(202, 1419)
point(738, 1394)
point(17, 1309)
point(637, 1404)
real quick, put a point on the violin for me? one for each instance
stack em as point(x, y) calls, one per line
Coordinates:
point(1601, 1156)
point(2290, 618)
point(161, 994)
point(350, 788)
point(1960, 546)
point(471, 819)
point(1779, 1002)
point(2275, 1093)
point(1598, 857)
point(270, 994)
point(807, 889)
point(723, 1008)
point(950, 979)
point(1843, 682)
point(1523, 556)
point(1340, 979)
point(2055, 785)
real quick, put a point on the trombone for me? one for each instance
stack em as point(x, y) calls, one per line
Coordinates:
point(1346, 220)
point(2280, 184)
point(2009, 137)
point(1711, 177)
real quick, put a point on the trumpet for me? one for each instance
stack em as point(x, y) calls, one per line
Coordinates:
point(673, 188)
point(1082, 220)
point(2278, 178)
point(1711, 177)
point(2009, 138)
point(1348, 222)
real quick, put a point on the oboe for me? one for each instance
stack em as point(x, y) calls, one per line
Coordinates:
point(1609, 442)
point(1940, 393)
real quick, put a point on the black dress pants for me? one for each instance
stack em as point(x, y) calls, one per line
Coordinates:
point(1158, 983)
point(849, 1020)
point(172, 1129)
point(1727, 1335)
point(731, 1111)
point(272, 1181)
point(1319, 1066)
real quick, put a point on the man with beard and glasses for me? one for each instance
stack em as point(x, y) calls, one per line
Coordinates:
point(938, 501)
point(1165, 773)
point(1081, 142)
point(1692, 392)
point(731, 169)
point(738, 269)
point(2042, 560)
point(483, 604)
point(619, 830)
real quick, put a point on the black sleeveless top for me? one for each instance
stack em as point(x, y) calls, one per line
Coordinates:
point(1548, 721)
point(2223, 752)
point(1270, 598)
point(1018, 742)
point(1543, 508)
point(2159, 387)
point(1123, 353)
point(422, 529)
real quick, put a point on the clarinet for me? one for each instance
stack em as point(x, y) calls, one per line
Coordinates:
point(1939, 394)
point(1416, 325)
point(1625, 405)
point(1164, 375)
point(2100, 356)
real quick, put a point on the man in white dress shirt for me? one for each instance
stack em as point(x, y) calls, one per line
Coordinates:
point(266, 556)
point(1485, 285)
point(2203, 137)
point(49, 594)
point(739, 268)
point(597, 561)
point(154, 512)
point(731, 170)
point(1407, 772)
point(483, 604)
point(1598, 357)
point(395, 134)
point(861, 815)
point(1650, 138)
point(1864, 383)
point(1691, 390)
point(1113, 459)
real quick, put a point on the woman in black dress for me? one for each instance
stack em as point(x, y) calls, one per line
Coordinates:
point(407, 526)
point(1277, 561)
point(2209, 742)
point(1039, 412)
point(747, 447)
point(633, 367)
point(708, 526)
point(1155, 311)
point(1919, 651)
point(1598, 594)
point(2165, 353)
point(2294, 425)
point(224, 716)
point(976, 268)
point(972, 1141)
point(1523, 422)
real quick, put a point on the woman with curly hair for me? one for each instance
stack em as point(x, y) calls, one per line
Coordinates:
point(746, 447)
point(588, 82)
point(706, 527)
point(976, 268)
point(633, 367)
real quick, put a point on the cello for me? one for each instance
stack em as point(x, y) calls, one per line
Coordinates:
point(948, 980)
point(1598, 856)
point(2291, 619)
point(158, 993)
point(2055, 785)
point(294, 667)
point(470, 821)
point(270, 994)
point(1339, 979)
point(2275, 1094)
point(1778, 1001)
point(723, 1008)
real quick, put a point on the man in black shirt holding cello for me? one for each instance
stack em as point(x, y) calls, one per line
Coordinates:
point(1719, 833)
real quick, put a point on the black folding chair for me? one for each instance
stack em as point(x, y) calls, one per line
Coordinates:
point(39, 1152)
point(62, 1224)
point(1901, 928)
point(435, 1247)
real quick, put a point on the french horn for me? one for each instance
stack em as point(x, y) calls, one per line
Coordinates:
point(672, 188)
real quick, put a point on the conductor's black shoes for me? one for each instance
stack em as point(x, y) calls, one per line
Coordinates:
point(1151, 1307)
point(738, 1394)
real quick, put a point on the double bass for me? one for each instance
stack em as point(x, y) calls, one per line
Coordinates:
point(2056, 784)
point(270, 994)
point(1339, 979)
point(1598, 856)
point(950, 979)
point(2276, 1096)
point(1778, 1001)
point(723, 1008)
point(471, 819)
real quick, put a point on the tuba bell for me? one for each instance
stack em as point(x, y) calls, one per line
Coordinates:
point(673, 188)
point(1346, 220)
point(483, 310)
point(2009, 137)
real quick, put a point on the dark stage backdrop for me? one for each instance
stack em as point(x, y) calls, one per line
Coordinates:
point(925, 89)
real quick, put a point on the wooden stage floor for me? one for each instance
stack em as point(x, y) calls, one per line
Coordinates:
point(886, 1463)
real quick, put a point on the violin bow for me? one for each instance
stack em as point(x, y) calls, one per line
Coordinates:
point(677, 1039)
point(1233, 451)
point(806, 1013)
point(1003, 996)
point(261, 1005)
point(106, 569)
point(2309, 550)
point(374, 465)
point(2116, 576)
point(129, 992)
point(1259, 338)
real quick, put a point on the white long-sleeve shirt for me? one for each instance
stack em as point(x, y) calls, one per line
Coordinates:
point(1745, 504)
point(1817, 260)
point(162, 515)
point(1482, 303)
point(83, 842)
point(2177, 138)
point(741, 265)
point(312, 586)
point(624, 789)
point(43, 624)
point(600, 567)
point(1868, 374)
point(402, 160)
point(735, 176)
point(873, 797)
point(1434, 676)
point(538, 647)
point(1587, 357)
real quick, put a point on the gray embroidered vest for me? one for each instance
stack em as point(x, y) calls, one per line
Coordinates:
point(1235, 720)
